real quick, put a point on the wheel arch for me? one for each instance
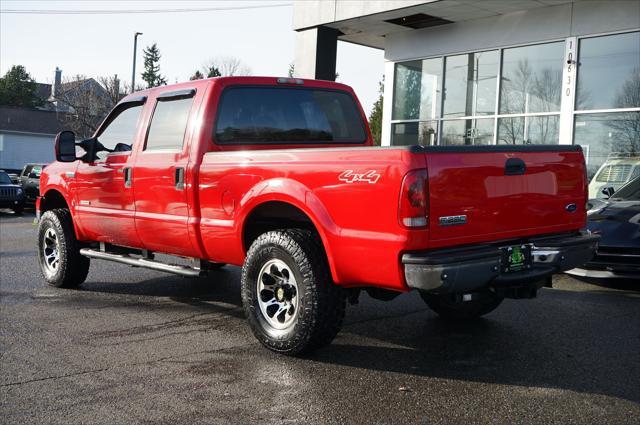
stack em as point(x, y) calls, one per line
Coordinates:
point(294, 208)
point(53, 199)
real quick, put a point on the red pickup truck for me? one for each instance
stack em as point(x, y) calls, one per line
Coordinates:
point(279, 175)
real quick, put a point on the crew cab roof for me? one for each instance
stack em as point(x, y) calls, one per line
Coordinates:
point(242, 80)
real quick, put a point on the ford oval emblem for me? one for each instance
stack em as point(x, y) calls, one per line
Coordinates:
point(571, 207)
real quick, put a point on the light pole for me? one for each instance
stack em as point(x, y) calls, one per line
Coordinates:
point(133, 73)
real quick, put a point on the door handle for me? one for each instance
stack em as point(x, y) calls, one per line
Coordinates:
point(127, 176)
point(514, 167)
point(179, 178)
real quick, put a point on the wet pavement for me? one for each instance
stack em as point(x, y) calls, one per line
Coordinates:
point(137, 346)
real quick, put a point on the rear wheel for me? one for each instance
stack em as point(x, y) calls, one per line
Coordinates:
point(450, 306)
point(289, 299)
point(61, 263)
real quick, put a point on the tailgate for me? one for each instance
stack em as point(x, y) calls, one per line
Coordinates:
point(504, 192)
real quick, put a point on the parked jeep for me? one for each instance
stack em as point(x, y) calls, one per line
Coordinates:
point(11, 194)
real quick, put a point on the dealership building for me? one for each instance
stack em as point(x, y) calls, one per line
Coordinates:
point(485, 72)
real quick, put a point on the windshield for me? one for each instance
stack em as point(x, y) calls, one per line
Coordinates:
point(628, 192)
point(4, 178)
point(614, 173)
point(288, 115)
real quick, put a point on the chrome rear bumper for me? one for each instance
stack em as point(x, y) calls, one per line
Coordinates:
point(471, 268)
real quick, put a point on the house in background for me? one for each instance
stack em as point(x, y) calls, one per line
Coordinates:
point(27, 135)
point(470, 72)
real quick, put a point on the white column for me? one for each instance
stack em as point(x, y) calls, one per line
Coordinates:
point(389, 70)
point(568, 91)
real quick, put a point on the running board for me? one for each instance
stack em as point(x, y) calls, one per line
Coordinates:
point(143, 262)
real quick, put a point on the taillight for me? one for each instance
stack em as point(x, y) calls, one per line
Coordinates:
point(413, 210)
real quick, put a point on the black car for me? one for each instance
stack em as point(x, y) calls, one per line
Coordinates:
point(617, 221)
point(11, 194)
point(30, 181)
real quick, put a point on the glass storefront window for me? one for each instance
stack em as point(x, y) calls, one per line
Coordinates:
point(609, 72)
point(417, 90)
point(601, 135)
point(470, 84)
point(532, 79)
point(543, 130)
point(414, 133)
point(467, 132)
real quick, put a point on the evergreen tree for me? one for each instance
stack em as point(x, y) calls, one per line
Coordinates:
point(375, 118)
point(151, 74)
point(196, 76)
point(17, 88)
point(213, 71)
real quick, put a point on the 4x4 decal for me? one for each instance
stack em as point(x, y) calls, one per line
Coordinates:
point(350, 176)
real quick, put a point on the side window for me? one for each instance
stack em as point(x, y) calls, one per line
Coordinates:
point(27, 170)
point(168, 124)
point(120, 132)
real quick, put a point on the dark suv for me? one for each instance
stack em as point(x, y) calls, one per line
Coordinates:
point(11, 194)
point(30, 181)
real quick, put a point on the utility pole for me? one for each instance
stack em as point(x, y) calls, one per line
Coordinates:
point(133, 73)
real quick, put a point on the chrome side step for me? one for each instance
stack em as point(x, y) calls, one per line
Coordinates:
point(143, 262)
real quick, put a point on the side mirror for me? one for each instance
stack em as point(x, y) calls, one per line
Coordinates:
point(66, 146)
point(608, 191)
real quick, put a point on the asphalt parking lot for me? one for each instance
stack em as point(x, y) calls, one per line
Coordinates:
point(137, 346)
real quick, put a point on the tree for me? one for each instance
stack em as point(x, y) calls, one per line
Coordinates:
point(112, 86)
point(225, 66)
point(17, 88)
point(375, 118)
point(625, 126)
point(196, 76)
point(213, 72)
point(83, 103)
point(151, 74)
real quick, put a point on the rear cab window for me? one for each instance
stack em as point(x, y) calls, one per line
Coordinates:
point(288, 115)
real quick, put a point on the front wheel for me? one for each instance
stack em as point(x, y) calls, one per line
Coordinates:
point(59, 256)
point(289, 299)
point(448, 306)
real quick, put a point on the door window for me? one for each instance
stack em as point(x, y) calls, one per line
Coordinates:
point(168, 124)
point(120, 132)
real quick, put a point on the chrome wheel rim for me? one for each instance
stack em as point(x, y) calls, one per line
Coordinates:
point(278, 294)
point(51, 250)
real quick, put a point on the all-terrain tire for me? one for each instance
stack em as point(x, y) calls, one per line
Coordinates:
point(59, 256)
point(321, 303)
point(448, 308)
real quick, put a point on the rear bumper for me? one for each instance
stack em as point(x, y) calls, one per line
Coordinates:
point(471, 268)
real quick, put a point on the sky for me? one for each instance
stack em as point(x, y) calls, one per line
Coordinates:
point(102, 44)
